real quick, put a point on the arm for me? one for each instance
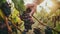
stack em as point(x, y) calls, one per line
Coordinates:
point(33, 9)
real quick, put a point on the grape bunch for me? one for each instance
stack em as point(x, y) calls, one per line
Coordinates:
point(6, 9)
point(28, 21)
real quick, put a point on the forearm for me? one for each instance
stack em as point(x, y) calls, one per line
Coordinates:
point(33, 10)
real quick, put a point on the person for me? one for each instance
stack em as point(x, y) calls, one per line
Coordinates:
point(27, 16)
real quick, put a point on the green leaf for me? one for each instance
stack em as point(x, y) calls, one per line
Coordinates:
point(19, 4)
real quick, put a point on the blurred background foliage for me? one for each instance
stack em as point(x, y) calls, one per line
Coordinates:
point(48, 18)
